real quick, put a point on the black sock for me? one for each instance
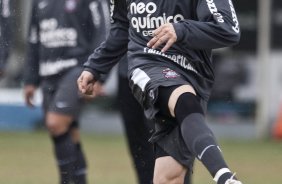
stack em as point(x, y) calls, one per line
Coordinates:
point(197, 135)
point(80, 172)
point(65, 152)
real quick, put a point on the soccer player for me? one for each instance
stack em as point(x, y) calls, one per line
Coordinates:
point(5, 33)
point(62, 34)
point(169, 46)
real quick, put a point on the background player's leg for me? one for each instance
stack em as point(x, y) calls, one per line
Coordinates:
point(63, 111)
point(137, 133)
point(80, 170)
point(64, 148)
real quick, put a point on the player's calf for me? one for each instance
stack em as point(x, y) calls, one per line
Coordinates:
point(168, 171)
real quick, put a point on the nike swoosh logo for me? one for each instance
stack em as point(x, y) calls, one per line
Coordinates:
point(201, 155)
point(61, 105)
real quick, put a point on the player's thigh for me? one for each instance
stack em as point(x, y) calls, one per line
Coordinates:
point(67, 100)
point(168, 170)
point(145, 83)
point(56, 122)
point(65, 105)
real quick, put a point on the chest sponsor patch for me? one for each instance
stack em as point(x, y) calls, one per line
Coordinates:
point(146, 17)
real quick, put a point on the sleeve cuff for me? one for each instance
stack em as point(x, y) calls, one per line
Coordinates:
point(178, 30)
point(94, 72)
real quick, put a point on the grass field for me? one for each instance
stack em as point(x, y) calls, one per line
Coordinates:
point(26, 158)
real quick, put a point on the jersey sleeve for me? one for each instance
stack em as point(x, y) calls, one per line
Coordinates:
point(115, 45)
point(98, 22)
point(31, 68)
point(215, 25)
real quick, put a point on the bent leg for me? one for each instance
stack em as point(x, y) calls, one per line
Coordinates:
point(186, 108)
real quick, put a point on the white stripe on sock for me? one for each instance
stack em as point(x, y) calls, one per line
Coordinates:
point(220, 173)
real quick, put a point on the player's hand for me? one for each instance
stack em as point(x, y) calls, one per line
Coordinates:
point(86, 84)
point(29, 91)
point(165, 34)
point(99, 89)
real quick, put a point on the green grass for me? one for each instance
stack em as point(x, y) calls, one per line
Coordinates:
point(27, 158)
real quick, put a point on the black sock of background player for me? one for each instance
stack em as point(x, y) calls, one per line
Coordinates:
point(80, 171)
point(65, 152)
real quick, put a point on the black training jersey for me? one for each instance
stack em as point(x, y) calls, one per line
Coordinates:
point(62, 34)
point(200, 25)
point(5, 31)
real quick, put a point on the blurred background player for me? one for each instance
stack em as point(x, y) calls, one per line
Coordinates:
point(137, 129)
point(62, 34)
point(5, 33)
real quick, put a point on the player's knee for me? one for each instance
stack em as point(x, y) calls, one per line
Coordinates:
point(56, 128)
point(58, 124)
point(176, 94)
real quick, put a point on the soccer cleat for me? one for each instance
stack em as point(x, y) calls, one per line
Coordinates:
point(233, 181)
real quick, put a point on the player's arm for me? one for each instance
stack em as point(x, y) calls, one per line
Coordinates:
point(31, 67)
point(217, 26)
point(115, 45)
point(109, 52)
point(5, 35)
point(99, 26)
point(97, 21)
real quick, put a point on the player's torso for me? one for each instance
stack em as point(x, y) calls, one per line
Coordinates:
point(64, 34)
point(147, 15)
point(57, 21)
